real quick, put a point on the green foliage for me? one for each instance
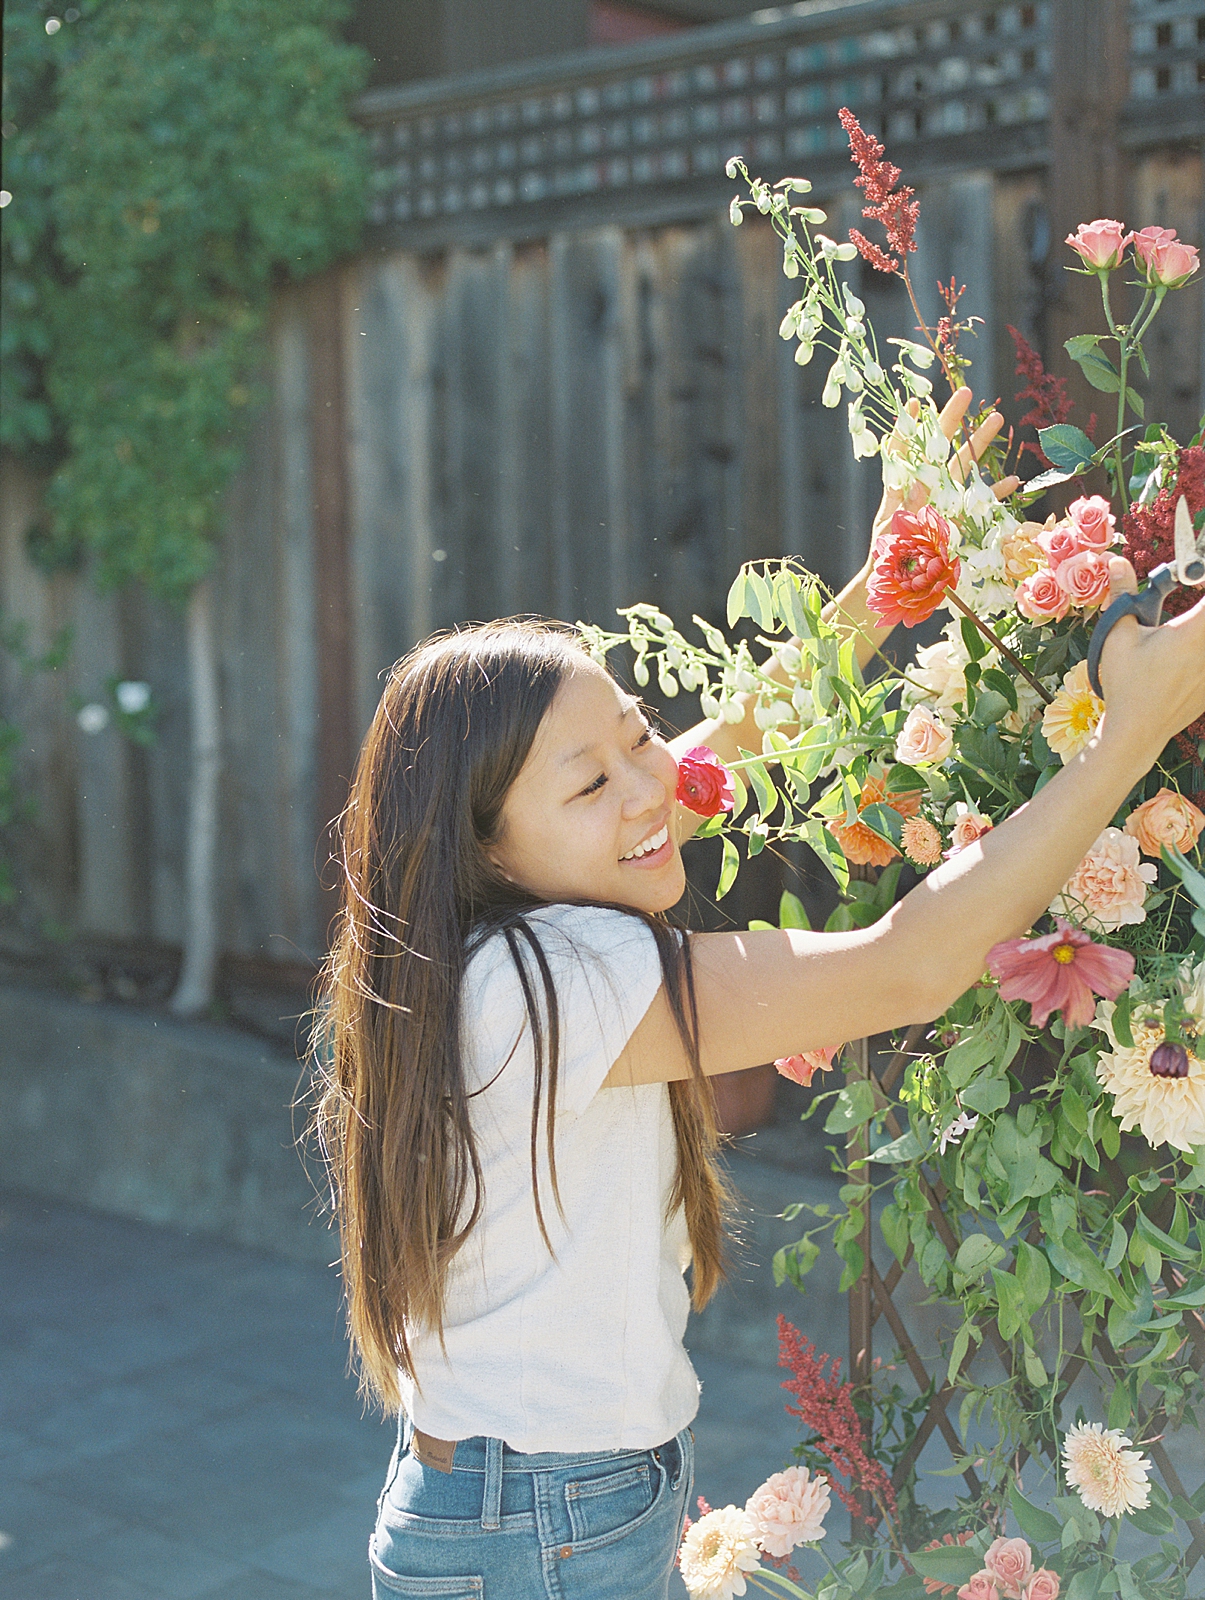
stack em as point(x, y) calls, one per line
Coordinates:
point(189, 159)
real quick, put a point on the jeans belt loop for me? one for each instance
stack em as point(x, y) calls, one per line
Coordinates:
point(491, 1508)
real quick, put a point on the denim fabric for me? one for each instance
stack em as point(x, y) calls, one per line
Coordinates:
point(602, 1525)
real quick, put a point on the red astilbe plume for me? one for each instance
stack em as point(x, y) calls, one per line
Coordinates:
point(1051, 402)
point(897, 209)
point(1150, 540)
point(826, 1406)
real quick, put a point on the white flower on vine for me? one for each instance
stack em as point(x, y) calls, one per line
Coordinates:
point(962, 1123)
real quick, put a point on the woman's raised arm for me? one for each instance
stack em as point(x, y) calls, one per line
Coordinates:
point(776, 993)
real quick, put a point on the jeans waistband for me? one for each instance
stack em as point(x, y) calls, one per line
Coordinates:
point(472, 1453)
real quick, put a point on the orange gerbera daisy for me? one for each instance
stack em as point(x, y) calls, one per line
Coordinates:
point(860, 844)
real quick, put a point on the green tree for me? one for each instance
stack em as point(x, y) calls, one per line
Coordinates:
point(179, 162)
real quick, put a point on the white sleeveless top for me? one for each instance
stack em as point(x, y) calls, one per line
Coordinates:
point(584, 1351)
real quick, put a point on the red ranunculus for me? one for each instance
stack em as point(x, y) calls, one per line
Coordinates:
point(704, 782)
point(913, 567)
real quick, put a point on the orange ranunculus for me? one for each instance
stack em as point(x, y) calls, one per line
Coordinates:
point(1165, 819)
point(860, 844)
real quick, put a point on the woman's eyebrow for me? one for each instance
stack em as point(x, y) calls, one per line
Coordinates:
point(630, 704)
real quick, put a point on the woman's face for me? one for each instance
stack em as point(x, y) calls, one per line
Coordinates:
point(591, 816)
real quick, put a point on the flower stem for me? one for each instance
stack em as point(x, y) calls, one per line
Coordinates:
point(999, 644)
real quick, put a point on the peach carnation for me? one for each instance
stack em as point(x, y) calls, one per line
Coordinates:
point(1011, 1565)
point(924, 737)
point(1164, 1110)
point(716, 1553)
point(1165, 819)
point(921, 842)
point(1108, 888)
point(1107, 1477)
point(1073, 716)
point(789, 1509)
point(861, 844)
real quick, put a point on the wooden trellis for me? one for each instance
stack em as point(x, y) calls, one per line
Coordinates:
point(871, 1298)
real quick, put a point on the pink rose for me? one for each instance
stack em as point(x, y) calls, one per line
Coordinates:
point(1100, 244)
point(1010, 1565)
point(1166, 819)
point(1084, 578)
point(923, 737)
point(800, 1068)
point(704, 782)
point(1060, 542)
point(980, 1587)
point(1044, 1585)
point(1167, 262)
point(1092, 518)
point(1041, 599)
point(1108, 888)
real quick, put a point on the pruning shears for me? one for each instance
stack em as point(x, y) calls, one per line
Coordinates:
point(1188, 569)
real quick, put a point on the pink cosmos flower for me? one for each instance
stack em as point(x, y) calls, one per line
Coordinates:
point(1011, 1565)
point(789, 1509)
point(704, 782)
point(1044, 1585)
point(800, 1069)
point(1061, 971)
point(980, 1587)
point(1041, 599)
point(1084, 578)
point(1092, 519)
point(1166, 262)
point(1100, 244)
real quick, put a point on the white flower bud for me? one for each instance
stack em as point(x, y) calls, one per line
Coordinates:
point(667, 683)
point(734, 212)
point(812, 215)
point(732, 166)
point(745, 681)
point(832, 385)
point(872, 372)
point(790, 263)
point(789, 326)
point(710, 706)
point(790, 657)
point(732, 712)
point(845, 252)
point(804, 353)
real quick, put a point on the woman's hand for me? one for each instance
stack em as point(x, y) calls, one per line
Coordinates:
point(1153, 678)
point(952, 414)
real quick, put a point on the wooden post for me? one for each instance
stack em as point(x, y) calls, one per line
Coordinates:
point(861, 1295)
point(1089, 82)
point(336, 742)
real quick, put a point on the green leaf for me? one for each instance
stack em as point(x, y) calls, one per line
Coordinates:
point(1065, 446)
point(854, 1105)
point(1153, 1519)
point(1085, 1584)
point(950, 1563)
point(1012, 1303)
point(1135, 403)
point(1034, 1370)
point(1033, 1273)
point(1185, 1299)
point(976, 1254)
point(894, 1226)
point(791, 913)
point(885, 821)
point(1121, 1020)
point(762, 601)
point(1075, 1259)
point(1000, 683)
point(1093, 363)
point(728, 869)
point(986, 1094)
point(906, 1148)
point(975, 645)
point(1033, 1522)
point(1117, 1246)
point(767, 794)
point(1161, 1241)
point(738, 598)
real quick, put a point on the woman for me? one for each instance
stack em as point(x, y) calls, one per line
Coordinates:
point(517, 1111)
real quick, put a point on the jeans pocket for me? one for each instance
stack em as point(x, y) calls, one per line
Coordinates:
point(603, 1506)
point(385, 1582)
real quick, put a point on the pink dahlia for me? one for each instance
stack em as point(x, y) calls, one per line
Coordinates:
point(913, 567)
point(1061, 971)
point(789, 1509)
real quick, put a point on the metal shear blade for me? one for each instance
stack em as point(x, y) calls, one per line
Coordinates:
point(1188, 568)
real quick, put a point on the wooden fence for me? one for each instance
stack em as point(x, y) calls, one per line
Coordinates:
point(552, 382)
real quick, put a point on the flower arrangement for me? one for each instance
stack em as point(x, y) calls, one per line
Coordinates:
point(1042, 1152)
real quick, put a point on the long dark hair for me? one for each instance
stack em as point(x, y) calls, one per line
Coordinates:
point(453, 729)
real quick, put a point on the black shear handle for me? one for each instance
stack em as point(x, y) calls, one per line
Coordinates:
point(1146, 605)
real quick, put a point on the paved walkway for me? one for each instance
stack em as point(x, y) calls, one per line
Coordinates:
point(176, 1421)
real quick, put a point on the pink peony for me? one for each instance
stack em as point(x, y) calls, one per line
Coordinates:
point(1166, 262)
point(1108, 888)
point(1041, 599)
point(704, 782)
point(801, 1068)
point(1061, 971)
point(789, 1509)
point(1100, 244)
point(913, 567)
point(1084, 578)
point(1166, 819)
point(1010, 1564)
point(1044, 1585)
point(980, 1587)
point(1092, 518)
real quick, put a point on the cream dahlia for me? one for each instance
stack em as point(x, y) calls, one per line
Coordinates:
point(789, 1509)
point(1165, 1110)
point(1107, 1477)
point(717, 1552)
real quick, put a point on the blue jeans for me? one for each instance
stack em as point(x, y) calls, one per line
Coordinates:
point(601, 1525)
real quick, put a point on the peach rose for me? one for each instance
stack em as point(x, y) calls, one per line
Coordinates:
point(1166, 262)
point(1059, 542)
point(1021, 552)
point(1092, 518)
point(968, 826)
point(1041, 599)
point(1108, 888)
point(923, 737)
point(1166, 819)
point(1044, 1585)
point(980, 1587)
point(1084, 578)
point(1010, 1564)
point(1100, 244)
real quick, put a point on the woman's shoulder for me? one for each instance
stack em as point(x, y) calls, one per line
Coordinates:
point(563, 934)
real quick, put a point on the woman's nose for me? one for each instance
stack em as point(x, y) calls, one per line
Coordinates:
point(647, 792)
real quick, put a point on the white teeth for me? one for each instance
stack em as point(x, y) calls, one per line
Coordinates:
point(653, 843)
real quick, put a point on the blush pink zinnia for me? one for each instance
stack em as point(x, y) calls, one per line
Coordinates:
point(1061, 971)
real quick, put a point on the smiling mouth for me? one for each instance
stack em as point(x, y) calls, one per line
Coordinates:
point(650, 846)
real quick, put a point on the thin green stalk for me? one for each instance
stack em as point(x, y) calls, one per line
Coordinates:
point(1120, 477)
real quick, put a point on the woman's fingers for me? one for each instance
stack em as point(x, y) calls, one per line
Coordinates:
point(1122, 578)
point(953, 411)
point(977, 444)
